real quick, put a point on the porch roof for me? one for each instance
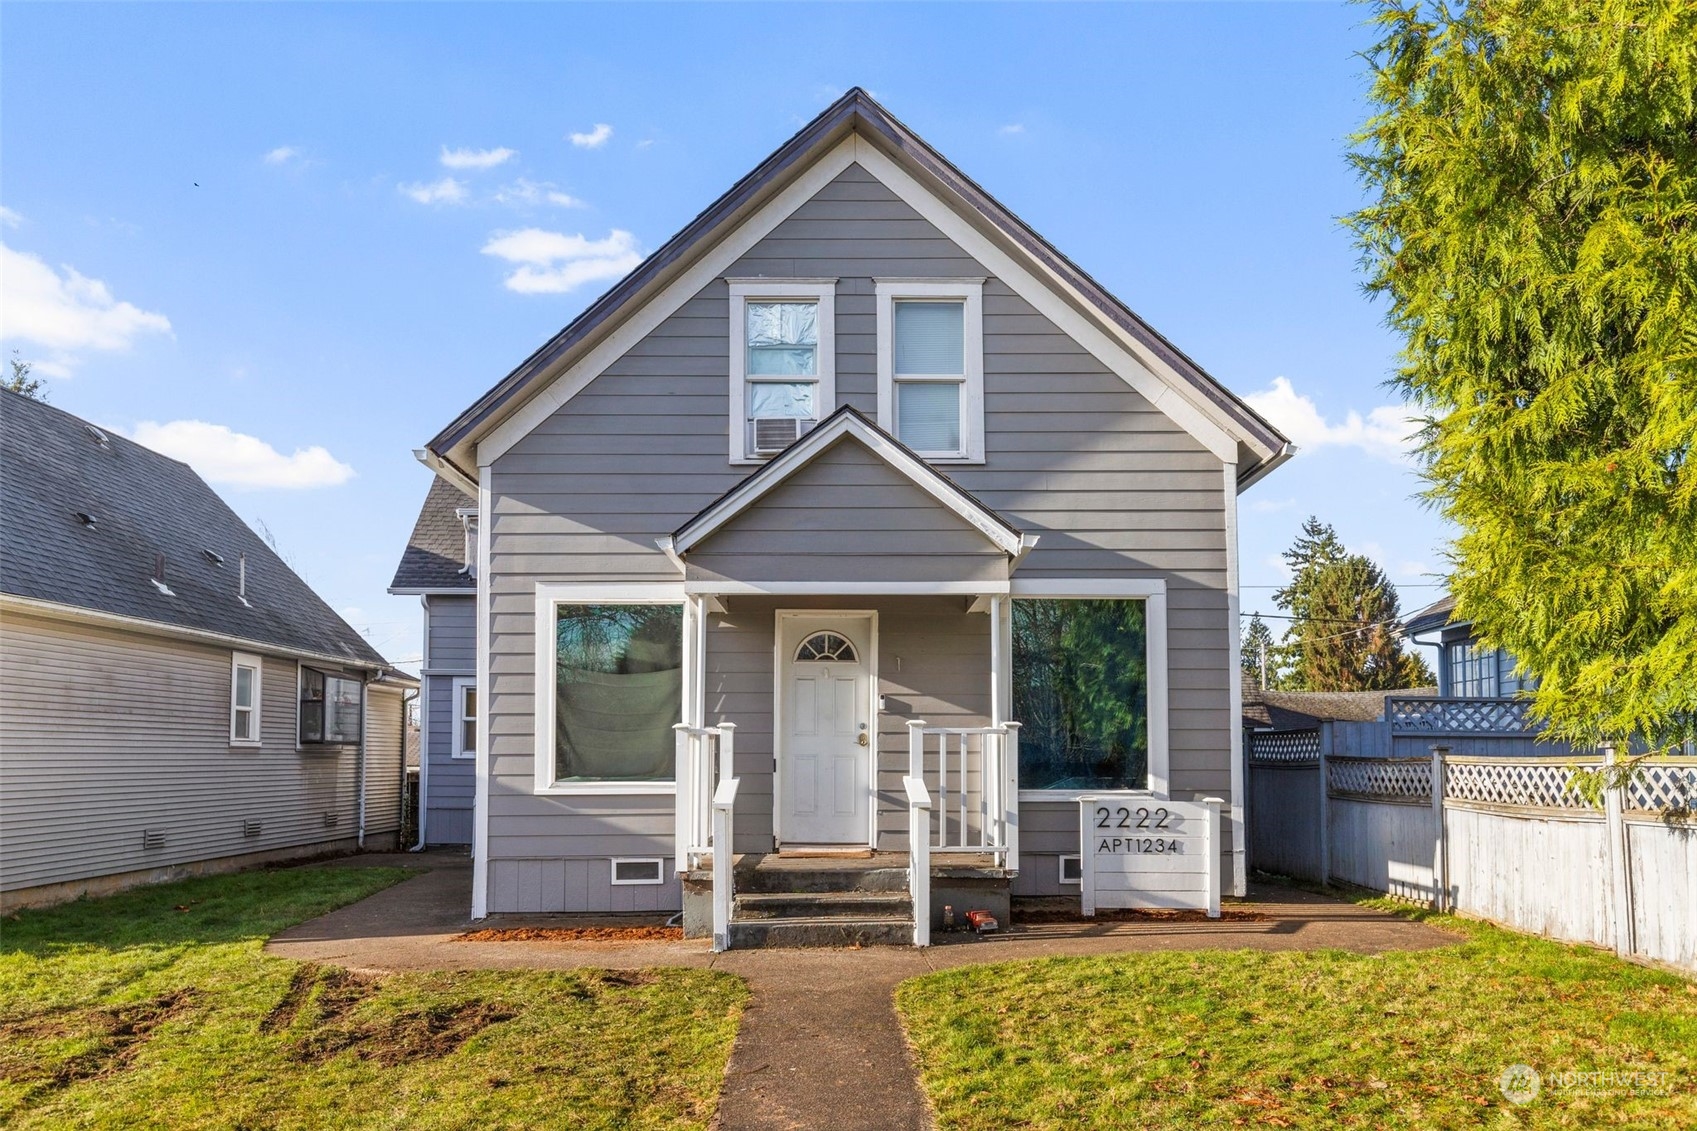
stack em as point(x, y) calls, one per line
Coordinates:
point(848, 424)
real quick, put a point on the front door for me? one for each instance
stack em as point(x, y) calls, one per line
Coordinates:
point(825, 737)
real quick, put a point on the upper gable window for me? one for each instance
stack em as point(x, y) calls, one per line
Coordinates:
point(783, 362)
point(931, 366)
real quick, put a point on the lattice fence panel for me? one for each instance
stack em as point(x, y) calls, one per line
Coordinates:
point(1659, 786)
point(1539, 784)
point(1394, 778)
point(1284, 746)
point(1459, 716)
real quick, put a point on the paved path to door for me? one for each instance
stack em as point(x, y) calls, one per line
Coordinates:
point(819, 1044)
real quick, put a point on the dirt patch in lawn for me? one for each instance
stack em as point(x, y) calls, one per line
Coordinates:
point(574, 934)
point(1041, 915)
point(117, 1033)
point(389, 1038)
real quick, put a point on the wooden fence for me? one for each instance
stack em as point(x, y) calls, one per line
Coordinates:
point(1502, 838)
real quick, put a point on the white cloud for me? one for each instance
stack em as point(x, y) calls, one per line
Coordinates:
point(8, 218)
point(1011, 129)
point(594, 139)
point(1387, 432)
point(475, 158)
point(445, 191)
point(1271, 506)
point(222, 455)
point(282, 155)
point(66, 312)
point(523, 191)
point(553, 262)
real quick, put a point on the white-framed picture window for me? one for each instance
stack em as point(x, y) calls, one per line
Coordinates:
point(246, 676)
point(465, 718)
point(931, 366)
point(611, 671)
point(783, 364)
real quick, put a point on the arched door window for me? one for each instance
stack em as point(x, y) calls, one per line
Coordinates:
point(826, 646)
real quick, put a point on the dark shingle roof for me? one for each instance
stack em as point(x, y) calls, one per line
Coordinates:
point(1436, 615)
point(435, 554)
point(1297, 710)
point(144, 505)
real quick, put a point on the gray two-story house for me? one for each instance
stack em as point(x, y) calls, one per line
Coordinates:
point(855, 509)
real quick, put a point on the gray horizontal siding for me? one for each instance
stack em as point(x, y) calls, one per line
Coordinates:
point(1113, 487)
point(451, 646)
point(107, 734)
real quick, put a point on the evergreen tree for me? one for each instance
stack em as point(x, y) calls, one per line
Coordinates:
point(1533, 167)
point(1344, 613)
point(21, 382)
point(1260, 652)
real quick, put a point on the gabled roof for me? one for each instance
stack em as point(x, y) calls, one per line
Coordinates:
point(144, 506)
point(434, 559)
point(1439, 614)
point(1298, 710)
point(1262, 446)
point(848, 424)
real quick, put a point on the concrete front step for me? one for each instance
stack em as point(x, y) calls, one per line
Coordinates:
point(818, 876)
point(822, 905)
point(749, 934)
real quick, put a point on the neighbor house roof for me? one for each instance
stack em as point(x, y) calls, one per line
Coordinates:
point(91, 518)
point(1261, 446)
point(1439, 614)
point(434, 559)
point(1294, 710)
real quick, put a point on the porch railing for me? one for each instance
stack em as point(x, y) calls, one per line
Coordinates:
point(919, 857)
point(1458, 716)
point(705, 762)
point(975, 772)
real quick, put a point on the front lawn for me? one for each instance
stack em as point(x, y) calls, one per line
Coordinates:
point(1322, 1039)
point(157, 1008)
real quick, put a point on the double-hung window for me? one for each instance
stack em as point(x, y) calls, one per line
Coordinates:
point(465, 718)
point(783, 362)
point(931, 366)
point(245, 672)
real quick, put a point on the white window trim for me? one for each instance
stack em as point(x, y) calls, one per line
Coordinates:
point(548, 597)
point(822, 291)
point(1152, 591)
point(659, 871)
point(247, 660)
point(971, 293)
point(457, 747)
point(1061, 869)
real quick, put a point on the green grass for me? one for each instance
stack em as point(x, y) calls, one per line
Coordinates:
point(1319, 1039)
point(156, 1008)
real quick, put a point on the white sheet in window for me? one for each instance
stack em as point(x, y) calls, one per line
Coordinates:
point(782, 398)
point(783, 338)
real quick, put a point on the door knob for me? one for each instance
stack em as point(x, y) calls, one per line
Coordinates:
point(862, 740)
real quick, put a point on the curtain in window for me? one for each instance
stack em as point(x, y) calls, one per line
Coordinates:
point(619, 691)
point(930, 338)
point(1081, 694)
point(928, 415)
point(783, 339)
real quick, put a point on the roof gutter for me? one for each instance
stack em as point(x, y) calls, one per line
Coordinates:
point(447, 469)
point(53, 610)
point(1266, 467)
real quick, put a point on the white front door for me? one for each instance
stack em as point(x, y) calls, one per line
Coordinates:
point(825, 737)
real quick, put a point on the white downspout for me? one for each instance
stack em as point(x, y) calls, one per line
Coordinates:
point(364, 725)
point(423, 728)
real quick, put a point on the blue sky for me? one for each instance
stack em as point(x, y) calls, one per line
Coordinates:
point(288, 243)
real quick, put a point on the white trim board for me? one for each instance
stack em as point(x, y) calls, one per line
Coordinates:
point(843, 426)
point(1133, 362)
point(480, 773)
point(847, 588)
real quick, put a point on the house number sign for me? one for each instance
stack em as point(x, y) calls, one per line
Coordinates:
point(1147, 852)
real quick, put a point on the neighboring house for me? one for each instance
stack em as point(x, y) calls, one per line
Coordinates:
point(855, 465)
point(1269, 709)
point(173, 698)
point(1466, 668)
point(438, 566)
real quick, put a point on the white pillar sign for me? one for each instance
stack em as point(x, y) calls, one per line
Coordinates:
point(1142, 851)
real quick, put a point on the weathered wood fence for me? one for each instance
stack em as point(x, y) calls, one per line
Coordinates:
point(1501, 837)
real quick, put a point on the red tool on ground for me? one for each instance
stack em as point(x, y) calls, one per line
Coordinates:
point(981, 921)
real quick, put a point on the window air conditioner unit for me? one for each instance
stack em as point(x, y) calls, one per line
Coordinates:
point(769, 435)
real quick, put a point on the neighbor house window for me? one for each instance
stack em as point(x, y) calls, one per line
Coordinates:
point(245, 673)
point(1473, 671)
point(783, 362)
point(931, 366)
point(330, 708)
point(618, 691)
point(1081, 693)
point(465, 718)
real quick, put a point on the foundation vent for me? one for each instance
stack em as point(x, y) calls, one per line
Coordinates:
point(331, 820)
point(252, 828)
point(152, 839)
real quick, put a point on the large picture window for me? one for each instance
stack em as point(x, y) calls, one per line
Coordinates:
point(329, 708)
point(618, 691)
point(1081, 693)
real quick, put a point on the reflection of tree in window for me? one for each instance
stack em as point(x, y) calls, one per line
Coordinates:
point(619, 690)
point(1080, 693)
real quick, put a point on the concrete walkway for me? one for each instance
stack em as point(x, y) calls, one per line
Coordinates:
point(819, 1044)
